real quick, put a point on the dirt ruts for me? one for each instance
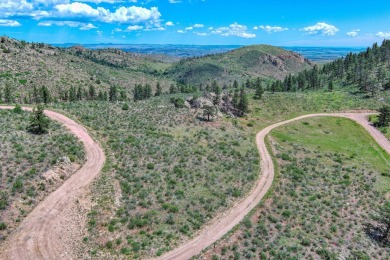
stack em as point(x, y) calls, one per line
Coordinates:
point(222, 224)
point(46, 233)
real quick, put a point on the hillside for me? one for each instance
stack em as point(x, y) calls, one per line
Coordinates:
point(367, 72)
point(34, 65)
point(29, 65)
point(248, 62)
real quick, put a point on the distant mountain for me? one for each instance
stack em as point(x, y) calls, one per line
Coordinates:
point(174, 52)
point(324, 54)
point(263, 61)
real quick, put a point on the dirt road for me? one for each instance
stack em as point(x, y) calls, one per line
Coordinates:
point(42, 233)
point(218, 227)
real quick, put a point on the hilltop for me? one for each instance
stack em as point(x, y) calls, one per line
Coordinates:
point(240, 64)
point(29, 65)
point(33, 65)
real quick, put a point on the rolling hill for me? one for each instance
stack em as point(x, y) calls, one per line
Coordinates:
point(240, 64)
point(29, 65)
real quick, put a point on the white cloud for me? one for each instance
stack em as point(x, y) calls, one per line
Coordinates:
point(132, 28)
point(107, 1)
point(169, 23)
point(13, 7)
point(174, 1)
point(78, 9)
point(73, 24)
point(321, 28)
point(181, 31)
point(271, 29)
point(353, 33)
point(198, 25)
point(100, 33)
point(255, 28)
point(383, 34)
point(133, 14)
point(189, 28)
point(201, 34)
point(87, 27)
point(9, 23)
point(234, 29)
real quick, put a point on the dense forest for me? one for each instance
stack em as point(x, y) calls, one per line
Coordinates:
point(369, 71)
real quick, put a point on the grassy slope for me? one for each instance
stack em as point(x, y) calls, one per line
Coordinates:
point(248, 62)
point(170, 173)
point(330, 180)
point(24, 160)
point(58, 69)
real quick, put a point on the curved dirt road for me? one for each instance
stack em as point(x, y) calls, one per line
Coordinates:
point(40, 235)
point(218, 227)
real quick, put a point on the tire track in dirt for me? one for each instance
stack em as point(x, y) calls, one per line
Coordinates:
point(43, 233)
point(222, 224)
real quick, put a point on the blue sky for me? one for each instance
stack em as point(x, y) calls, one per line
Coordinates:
point(242, 22)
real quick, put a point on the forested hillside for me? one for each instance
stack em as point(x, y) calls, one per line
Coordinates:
point(368, 71)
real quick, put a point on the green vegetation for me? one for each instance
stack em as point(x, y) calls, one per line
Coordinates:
point(173, 173)
point(39, 122)
point(25, 161)
point(327, 188)
point(368, 71)
point(240, 64)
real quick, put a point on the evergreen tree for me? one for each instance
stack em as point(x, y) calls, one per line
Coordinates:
point(248, 84)
point(243, 105)
point(39, 123)
point(259, 91)
point(92, 92)
point(382, 217)
point(113, 94)
point(330, 86)
point(72, 94)
point(123, 95)
point(214, 86)
point(235, 84)
point(100, 95)
point(384, 116)
point(8, 96)
point(172, 89)
point(158, 89)
point(235, 99)
point(79, 94)
point(209, 111)
point(45, 95)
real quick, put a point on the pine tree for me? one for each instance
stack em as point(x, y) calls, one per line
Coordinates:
point(172, 89)
point(235, 99)
point(39, 123)
point(123, 95)
point(382, 217)
point(79, 94)
point(8, 96)
point(158, 89)
point(113, 94)
point(259, 91)
point(235, 84)
point(243, 105)
point(92, 92)
point(45, 95)
point(330, 86)
point(384, 116)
